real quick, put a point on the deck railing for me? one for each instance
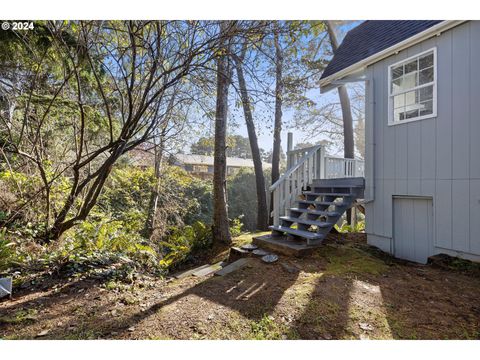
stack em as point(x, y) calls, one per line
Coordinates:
point(338, 167)
point(303, 166)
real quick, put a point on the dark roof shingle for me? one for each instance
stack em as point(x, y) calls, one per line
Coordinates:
point(371, 37)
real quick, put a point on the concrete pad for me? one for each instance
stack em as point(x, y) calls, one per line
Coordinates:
point(186, 273)
point(284, 245)
point(233, 267)
point(208, 270)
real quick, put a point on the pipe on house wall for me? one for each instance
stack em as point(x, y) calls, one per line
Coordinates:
point(370, 151)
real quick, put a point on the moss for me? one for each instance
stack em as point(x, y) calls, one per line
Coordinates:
point(28, 315)
point(346, 259)
point(247, 237)
point(268, 329)
point(321, 315)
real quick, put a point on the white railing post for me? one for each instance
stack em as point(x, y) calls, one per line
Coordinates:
point(305, 166)
point(276, 207)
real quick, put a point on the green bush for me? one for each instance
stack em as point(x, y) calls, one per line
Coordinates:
point(7, 251)
point(183, 242)
point(345, 228)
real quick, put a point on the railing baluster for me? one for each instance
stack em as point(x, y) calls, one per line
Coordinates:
point(306, 165)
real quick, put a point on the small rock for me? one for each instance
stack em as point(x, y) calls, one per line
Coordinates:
point(327, 337)
point(365, 326)
point(249, 247)
point(114, 312)
point(131, 328)
point(43, 333)
point(259, 252)
point(210, 317)
point(289, 268)
point(270, 258)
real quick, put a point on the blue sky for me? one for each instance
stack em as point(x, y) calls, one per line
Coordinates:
point(265, 137)
point(264, 134)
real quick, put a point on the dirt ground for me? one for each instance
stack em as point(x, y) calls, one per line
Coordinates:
point(345, 290)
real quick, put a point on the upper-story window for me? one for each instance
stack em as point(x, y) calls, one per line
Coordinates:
point(413, 88)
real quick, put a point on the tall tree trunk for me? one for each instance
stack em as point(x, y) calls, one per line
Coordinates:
point(277, 128)
point(159, 149)
point(348, 139)
point(221, 231)
point(153, 202)
point(262, 211)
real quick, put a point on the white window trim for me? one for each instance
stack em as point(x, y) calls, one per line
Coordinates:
point(391, 121)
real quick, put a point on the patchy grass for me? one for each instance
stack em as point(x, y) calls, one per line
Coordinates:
point(20, 316)
point(82, 334)
point(247, 237)
point(320, 316)
point(346, 259)
point(268, 329)
point(344, 290)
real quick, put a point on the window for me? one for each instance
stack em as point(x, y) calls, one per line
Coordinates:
point(413, 88)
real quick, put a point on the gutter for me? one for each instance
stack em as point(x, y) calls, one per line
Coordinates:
point(361, 65)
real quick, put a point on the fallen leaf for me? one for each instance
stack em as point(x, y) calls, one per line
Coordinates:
point(43, 333)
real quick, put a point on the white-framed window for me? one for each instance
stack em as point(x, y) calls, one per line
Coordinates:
point(412, 88)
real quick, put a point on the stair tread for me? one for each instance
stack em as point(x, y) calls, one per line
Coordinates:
point(327, 194)
point(346, 186)
point(316, 212)
point(302, 233)
point(313, 202)
point(321, 224)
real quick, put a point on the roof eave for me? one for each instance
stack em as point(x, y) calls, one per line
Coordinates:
point(327, 84)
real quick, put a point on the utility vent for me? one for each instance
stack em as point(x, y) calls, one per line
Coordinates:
point(5, 287)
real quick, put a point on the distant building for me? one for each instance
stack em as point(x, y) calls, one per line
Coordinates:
point(202, 165)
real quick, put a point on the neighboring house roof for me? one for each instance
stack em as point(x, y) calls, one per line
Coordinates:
point(371, 37)
point(193, 159)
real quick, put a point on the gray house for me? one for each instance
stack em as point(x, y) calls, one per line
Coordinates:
point(422, 168)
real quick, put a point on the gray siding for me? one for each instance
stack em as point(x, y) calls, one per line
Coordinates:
point(437, 157)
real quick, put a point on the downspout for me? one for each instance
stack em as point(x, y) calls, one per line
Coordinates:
point(370, 151)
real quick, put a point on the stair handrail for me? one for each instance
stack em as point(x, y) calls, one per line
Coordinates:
point(290, 171)
point(291, 183)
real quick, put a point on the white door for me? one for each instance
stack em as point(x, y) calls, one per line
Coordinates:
point(412, 228)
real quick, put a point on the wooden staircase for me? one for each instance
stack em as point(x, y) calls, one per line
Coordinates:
point(318, 209)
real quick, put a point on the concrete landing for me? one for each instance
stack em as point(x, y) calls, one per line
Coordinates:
point(284, 245)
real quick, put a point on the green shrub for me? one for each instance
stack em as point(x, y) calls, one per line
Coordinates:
point(345, 228)
point(7, 250)
point(183, 242)
point(236, 226)
point(110, 236)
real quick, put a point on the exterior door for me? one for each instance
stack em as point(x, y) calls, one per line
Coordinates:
point(412, 228)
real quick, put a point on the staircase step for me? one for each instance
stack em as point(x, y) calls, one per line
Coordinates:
point(316, 212)
point(312, 202)
point(301, 233)
point(327, 194)
point(320, 224)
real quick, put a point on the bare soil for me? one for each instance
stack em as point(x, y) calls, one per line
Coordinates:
point(345, 290)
